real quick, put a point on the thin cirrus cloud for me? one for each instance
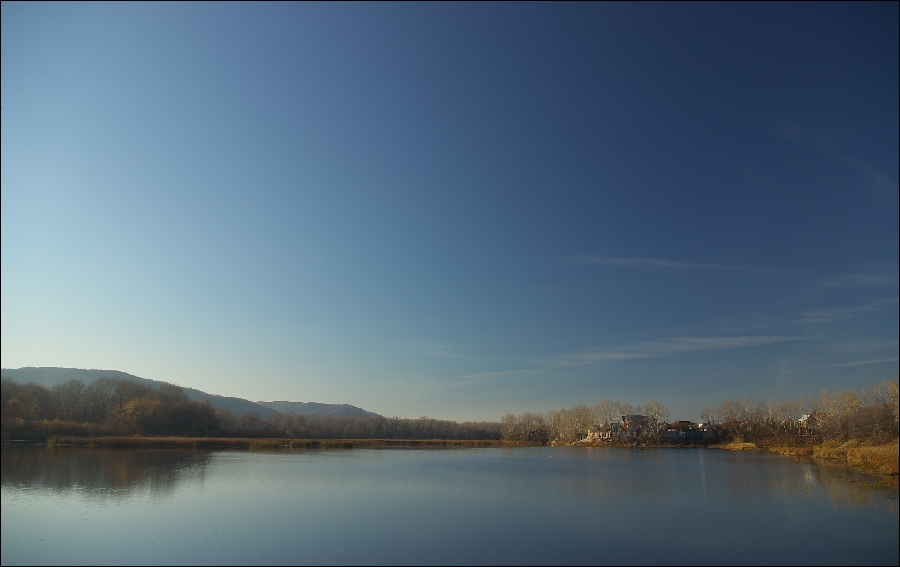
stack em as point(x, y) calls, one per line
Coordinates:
point(857, 280)
point(431, 388)
point(483, 376)
point(830, 314)
point(432, 350)
point(752, 173)
point(855, 363)
point(668, 347)
point(662, 263)
point(881, 183)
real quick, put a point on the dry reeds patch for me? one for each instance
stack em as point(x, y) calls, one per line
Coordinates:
point(139, 442)
point(792, 450)
point(883, 459)
point(878, 458)
point(736, 446)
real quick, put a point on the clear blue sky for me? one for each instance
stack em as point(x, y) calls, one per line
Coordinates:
point(454, 210)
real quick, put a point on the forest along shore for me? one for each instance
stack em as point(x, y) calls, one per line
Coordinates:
point(856, 427)
point(140, 442)
point(859, 428)
point(882, 459)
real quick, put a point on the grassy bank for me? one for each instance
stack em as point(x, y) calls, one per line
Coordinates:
point(882, 459)
point(870, 457)
point(256, 443)
point(877, 458)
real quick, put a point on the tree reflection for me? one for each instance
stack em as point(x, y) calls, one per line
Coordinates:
point(100, 471)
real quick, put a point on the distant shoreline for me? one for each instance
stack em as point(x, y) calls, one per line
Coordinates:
point(149, 442)
point(880, 459)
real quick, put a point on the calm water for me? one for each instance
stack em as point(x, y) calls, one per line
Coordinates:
point(534, 505)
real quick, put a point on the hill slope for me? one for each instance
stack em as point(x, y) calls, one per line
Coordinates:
point(52, 376)
point(313, 408)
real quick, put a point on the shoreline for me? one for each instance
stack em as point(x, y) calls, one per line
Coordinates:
point(880, 459)
point(142, 442)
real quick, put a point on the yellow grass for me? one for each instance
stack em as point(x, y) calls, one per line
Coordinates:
point(877, 458)
point(737, 446)
point(255, 443)
point(882, 459)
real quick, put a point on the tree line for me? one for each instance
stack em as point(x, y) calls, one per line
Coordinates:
point(115, 406)
point(579, 421)
point(868, 415)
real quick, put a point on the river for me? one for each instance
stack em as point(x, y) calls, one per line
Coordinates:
point(521, 505)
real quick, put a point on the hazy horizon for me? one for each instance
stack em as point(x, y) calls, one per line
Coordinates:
point(454, 210)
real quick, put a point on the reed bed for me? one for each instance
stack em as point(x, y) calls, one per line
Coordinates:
point(737, 446)
point(879, 458)
point(140, 442)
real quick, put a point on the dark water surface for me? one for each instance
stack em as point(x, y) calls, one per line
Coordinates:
point(529, 505)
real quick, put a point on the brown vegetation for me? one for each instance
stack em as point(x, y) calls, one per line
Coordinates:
point(137, 442)
point(118, 407)
point(577, 424)
point(859, 428)
point(879, 458)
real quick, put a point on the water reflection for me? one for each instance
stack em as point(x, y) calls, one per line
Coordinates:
point(847, 486)
point(611, 472)
point(527, 505)
point(700, 474)
point(105, 472)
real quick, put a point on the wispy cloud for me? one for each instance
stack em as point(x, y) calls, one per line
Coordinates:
point(662, 264)
point(789, 133)
point(857, 280)
point(855, 363)
point(667, 347)
point(752, 174)
point(426, 389)
point(880, 182)
point(433, 350)
point(859, 346)
point(830, 314)
point(482, 376)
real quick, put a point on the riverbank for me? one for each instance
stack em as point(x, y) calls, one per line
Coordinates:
point(883, 459)
point(141, 442)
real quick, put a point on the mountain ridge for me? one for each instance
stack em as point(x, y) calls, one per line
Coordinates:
point(315, 408)
point(50, 376)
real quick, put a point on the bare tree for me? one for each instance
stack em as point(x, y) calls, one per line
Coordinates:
point(656, 413)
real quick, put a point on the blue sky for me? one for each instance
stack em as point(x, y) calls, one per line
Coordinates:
point(454, 210)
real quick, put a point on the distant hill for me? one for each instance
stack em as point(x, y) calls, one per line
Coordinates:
point(51, 376)
point(313, 408)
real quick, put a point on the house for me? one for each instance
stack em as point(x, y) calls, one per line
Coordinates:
point(603, 432)
point(807, 423)
point(635, 424)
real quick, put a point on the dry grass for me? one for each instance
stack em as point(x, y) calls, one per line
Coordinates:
point(792, 450)
point(878, 458)
point(737, 446)
point(139, 442)
point(882, 459)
